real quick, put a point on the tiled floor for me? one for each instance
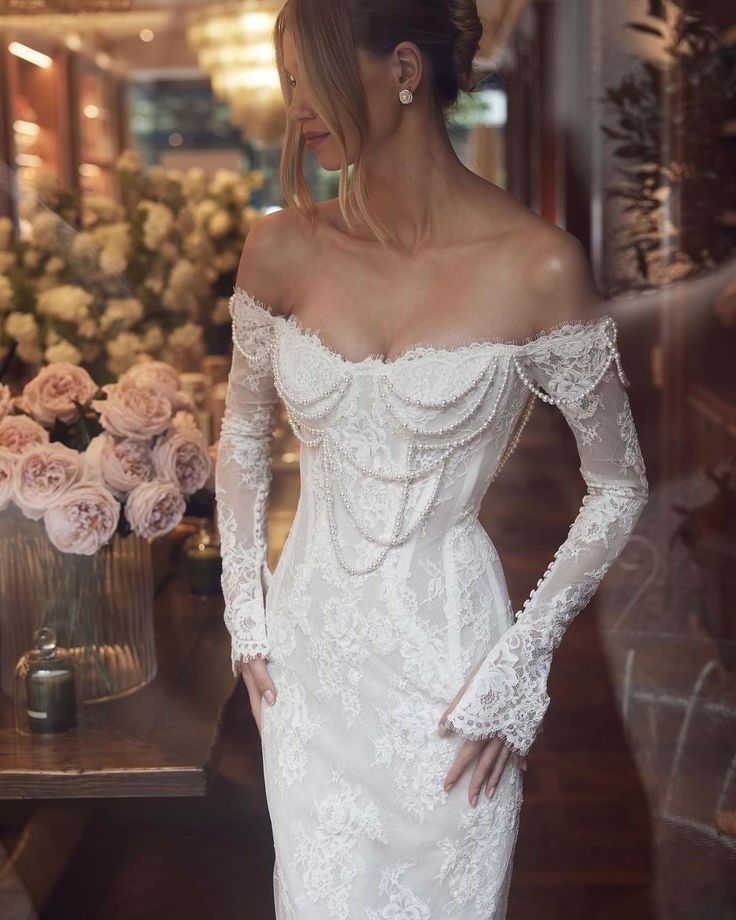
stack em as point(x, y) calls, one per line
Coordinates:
point(584, 843)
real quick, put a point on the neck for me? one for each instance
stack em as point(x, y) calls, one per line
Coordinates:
point(413, 179)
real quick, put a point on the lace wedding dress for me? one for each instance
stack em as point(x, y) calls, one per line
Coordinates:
point(388, 592)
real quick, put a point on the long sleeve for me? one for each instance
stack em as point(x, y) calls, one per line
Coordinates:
point(243, 482)
point(578, 368)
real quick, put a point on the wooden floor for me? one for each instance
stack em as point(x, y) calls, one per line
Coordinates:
point(584, 845)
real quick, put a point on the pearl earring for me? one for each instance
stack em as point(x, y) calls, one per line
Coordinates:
point(406, 96)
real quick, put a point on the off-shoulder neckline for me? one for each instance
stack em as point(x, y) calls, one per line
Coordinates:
point(512, 345)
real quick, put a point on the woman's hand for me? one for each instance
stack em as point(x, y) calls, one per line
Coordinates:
point(259, 684)
point(491, 755)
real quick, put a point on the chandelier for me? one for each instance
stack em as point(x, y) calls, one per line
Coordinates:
point(234, 46)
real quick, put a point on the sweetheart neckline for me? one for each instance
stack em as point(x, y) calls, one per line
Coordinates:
point(291, 319)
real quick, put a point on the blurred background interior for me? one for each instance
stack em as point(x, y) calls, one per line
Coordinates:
point(615, 119)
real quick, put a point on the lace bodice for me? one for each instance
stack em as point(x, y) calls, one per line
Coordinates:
point(396, 452)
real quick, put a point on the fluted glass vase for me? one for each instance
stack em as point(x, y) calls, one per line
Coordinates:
point(100, 606)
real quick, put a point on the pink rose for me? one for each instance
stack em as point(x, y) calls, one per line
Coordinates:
point(160, 375)
point(154, 508)
point(18, 433)
point(43, 474)
point(183, 460)
point(6, 400)
point(138, 412)
point(7, 466)
point(121, 464)
point(83, 519)
point(51, 393)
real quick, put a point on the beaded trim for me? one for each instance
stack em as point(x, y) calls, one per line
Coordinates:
point(309, 409)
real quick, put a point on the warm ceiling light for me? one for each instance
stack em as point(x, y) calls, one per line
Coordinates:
point(91, 111)
point(103, 60)
point(73, 41)
point(29, 128)
point(89, 170)
point(234, 45)
point(146, 35)
point(30, 54)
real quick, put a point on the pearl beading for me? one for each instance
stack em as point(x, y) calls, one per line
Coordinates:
point(458, 423)
point(329, 461)
point(609, 329)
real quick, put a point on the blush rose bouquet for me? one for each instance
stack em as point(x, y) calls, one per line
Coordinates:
point(89, 462)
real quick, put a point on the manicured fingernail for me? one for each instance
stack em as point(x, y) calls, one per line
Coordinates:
point(490, 790)
point(474, 800)
point(441, 730)
point(449, 786)
point(270, 698)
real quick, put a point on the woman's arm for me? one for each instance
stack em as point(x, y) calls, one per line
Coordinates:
point(579, 370)
point(243, 480)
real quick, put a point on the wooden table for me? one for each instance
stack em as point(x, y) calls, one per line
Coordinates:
point(161, 741)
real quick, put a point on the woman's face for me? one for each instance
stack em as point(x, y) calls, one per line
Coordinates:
point(381, 82)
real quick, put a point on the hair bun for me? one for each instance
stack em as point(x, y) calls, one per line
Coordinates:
point(469, 29)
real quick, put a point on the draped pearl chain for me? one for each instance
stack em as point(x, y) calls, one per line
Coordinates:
point(305, 410)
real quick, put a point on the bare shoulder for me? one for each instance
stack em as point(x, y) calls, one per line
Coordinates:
point(560, 278)
point(275, 248)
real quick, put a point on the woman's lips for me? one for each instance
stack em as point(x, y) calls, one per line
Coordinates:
point(314, 141)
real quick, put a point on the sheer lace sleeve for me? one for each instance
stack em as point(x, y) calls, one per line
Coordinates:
point(578, 368)
point(243, 481)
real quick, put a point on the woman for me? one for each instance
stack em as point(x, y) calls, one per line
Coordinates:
point(408, 326)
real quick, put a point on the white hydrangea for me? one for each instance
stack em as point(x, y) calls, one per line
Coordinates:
point(123, 351)
point(125, 311)
point(157, 224)
point(100, 207)
point(45, 228)
point(153, 339)
point(88, 329)
point(189, 337)
point(219, 224)
point(203, 212)
point(63, 351)
point(129, 161)
point(223, 181)
point(66, 302)
point(22, 327)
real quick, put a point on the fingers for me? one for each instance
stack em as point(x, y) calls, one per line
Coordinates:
point(492, 760)
point(467, 752)
point(262, 679)
point(497, 770)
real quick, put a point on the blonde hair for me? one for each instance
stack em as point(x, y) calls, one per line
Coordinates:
point(326, 34)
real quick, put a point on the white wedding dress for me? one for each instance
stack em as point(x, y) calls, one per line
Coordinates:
point(389, 591)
